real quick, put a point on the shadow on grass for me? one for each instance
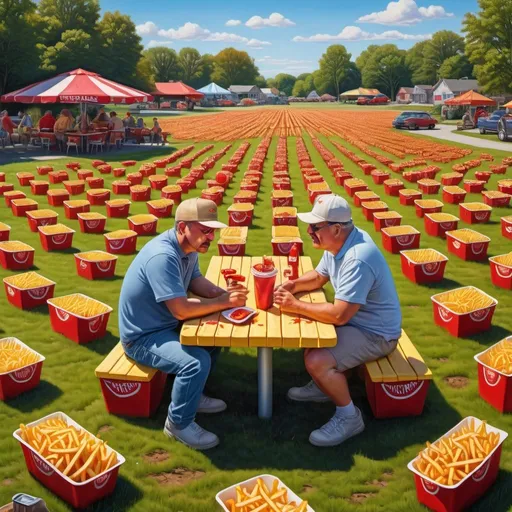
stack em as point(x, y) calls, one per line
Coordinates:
point(282, 442)
point(499, 497)
point(445, 283)
point(104, 345)
point(125, 495)
point(70, 250)
point(41, 396)
point(491, 336)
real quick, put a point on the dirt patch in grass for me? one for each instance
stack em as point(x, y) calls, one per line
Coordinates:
point(443, 359)
point(306, 488)
point(8, 481)
point(360, 497)
point(177, 477)
point(456, 381)
point(105, 428)
point(378, 483)
point(156, 456)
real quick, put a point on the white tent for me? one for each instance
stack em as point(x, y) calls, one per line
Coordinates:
point(215, 90)
point(313, 96)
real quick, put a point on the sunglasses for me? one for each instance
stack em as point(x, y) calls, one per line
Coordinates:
point(315, 228)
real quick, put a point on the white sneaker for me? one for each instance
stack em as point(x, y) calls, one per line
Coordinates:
point(193, 436)
point(337, 430)
point(209, 405)
point(308, 393)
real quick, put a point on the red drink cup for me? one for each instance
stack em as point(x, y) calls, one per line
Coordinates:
point(264, 283)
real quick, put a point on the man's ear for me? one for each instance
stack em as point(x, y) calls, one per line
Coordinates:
point(180, 227)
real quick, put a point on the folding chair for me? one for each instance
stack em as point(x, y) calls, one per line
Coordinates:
point(97, 142)
point(72, 142)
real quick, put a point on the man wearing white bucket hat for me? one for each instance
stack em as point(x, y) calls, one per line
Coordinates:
point(154, 301)
point(366, 313)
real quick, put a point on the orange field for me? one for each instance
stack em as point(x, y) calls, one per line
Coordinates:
point(362, 129)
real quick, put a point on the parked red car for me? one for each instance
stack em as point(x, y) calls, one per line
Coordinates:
point(414, 120)
point(363, 100)
point(380, 99)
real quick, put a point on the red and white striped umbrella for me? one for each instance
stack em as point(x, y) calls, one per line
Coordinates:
point(77, 86)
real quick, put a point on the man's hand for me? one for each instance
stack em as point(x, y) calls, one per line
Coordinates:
point(285, 300)
point(289, 286)
point(236, 298)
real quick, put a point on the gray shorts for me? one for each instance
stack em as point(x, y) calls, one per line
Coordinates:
point(356, 347)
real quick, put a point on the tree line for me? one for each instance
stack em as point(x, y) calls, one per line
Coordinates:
point(38, 40)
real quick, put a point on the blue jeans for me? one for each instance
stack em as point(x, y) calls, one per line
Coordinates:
point(190, 364)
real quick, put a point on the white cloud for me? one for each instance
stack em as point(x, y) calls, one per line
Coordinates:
point(147, 29)
point(233, 23)
point(153, 43)
point(270, 64)
point(405, 12)
point(351, 33)
point(194, 32)
point(274, 20)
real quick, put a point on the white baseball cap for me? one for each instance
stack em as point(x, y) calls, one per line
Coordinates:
point(328, 208)
point(199, 210)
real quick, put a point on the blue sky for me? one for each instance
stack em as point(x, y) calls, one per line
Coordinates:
point(290, 36)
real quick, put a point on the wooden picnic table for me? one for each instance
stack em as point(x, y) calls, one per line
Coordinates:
point(267, 330)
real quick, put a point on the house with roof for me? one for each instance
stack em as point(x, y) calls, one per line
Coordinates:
point(447, 88)
point(422, 94)
point(404, 95)
point(253, 92)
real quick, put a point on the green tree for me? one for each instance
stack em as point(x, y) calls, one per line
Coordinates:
point(352, 78)
point(72, 51)
point(364, 57)
point(62, 15)
point(19, 54)
point(164, 63)
point(457, 66)
point(334, 65)
point(234, 67)
point(272, 82)
point(261, 82)
point(303, 76)
point(489, 44)
point(285, 83)
point(120, 48)
point(386, 70)
point(415, 61)
point(204, 78)
point(144, 79)
point(443, 45)
point(299, 89)
point(190, 63)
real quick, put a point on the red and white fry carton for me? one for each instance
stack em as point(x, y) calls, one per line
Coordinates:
point(437, 224)
point(5, 232)
point(91, 222)
point(90, 268)
point(230, 492)
point(121, 245)
point(494, 386)
point(425, 272)
point(501, 273)
point(25, 378)
point(506, 227)
point(462, 325)
point(143, 224)
point(21, 258)
point(56, 241)
point(468, 251)
point(394, 242)
point(28, 298)
point(454, 498)
point(78, 328)
point(77, 494)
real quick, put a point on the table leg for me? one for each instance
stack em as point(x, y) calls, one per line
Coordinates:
point(265, 382)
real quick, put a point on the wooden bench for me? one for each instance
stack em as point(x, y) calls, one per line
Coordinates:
point(129, 388)
point(397, 384)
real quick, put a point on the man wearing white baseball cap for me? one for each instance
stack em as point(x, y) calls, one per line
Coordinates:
point(366, 313)
point(154, 301)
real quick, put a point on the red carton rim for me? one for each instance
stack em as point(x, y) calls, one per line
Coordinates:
point(19, 342)
point(113, 257)
point(415, 232)
point(450, 233)
point(135, 223)
point(465, 422)
point(232, 489)
point(487, 209)
point(6, 227)
point(477, 358)
point(455, 219)
point(50, 301)
point(404, 253)
point(41, 230)
point(31, 249)
point(434, 299)
point(70, 422)
point(79, 215)
point(492, 258)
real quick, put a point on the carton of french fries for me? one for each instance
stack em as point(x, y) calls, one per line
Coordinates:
point(20, 368)
point(501, 270)
point(5, 231)
point(95, 264)
point(28, 290)
point(263, 493)
point(495, 375)
point(467, 244)
point(423, 265)
point(78, 317)
point(67, 459)
point(457, 469)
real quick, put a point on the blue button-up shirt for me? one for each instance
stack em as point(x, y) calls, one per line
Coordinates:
point(360, 275)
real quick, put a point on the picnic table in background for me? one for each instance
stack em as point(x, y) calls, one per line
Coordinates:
point(267, 330)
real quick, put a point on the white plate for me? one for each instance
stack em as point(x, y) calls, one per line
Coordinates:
point(227, 314)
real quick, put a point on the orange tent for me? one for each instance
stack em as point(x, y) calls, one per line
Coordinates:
point(176, 90)
point(470, 98)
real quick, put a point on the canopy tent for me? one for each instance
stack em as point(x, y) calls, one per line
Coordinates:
point(214, 90)
point(470, 98)
point(177, 91)
point(327, 97)
point(360, 91)
point(77, 86)
point(313, 96)
point(508, 105)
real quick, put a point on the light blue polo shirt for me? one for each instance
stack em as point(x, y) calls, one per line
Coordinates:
point(359, 274)
point(161, 271)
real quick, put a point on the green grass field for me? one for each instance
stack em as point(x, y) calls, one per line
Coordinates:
point(368, 473)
